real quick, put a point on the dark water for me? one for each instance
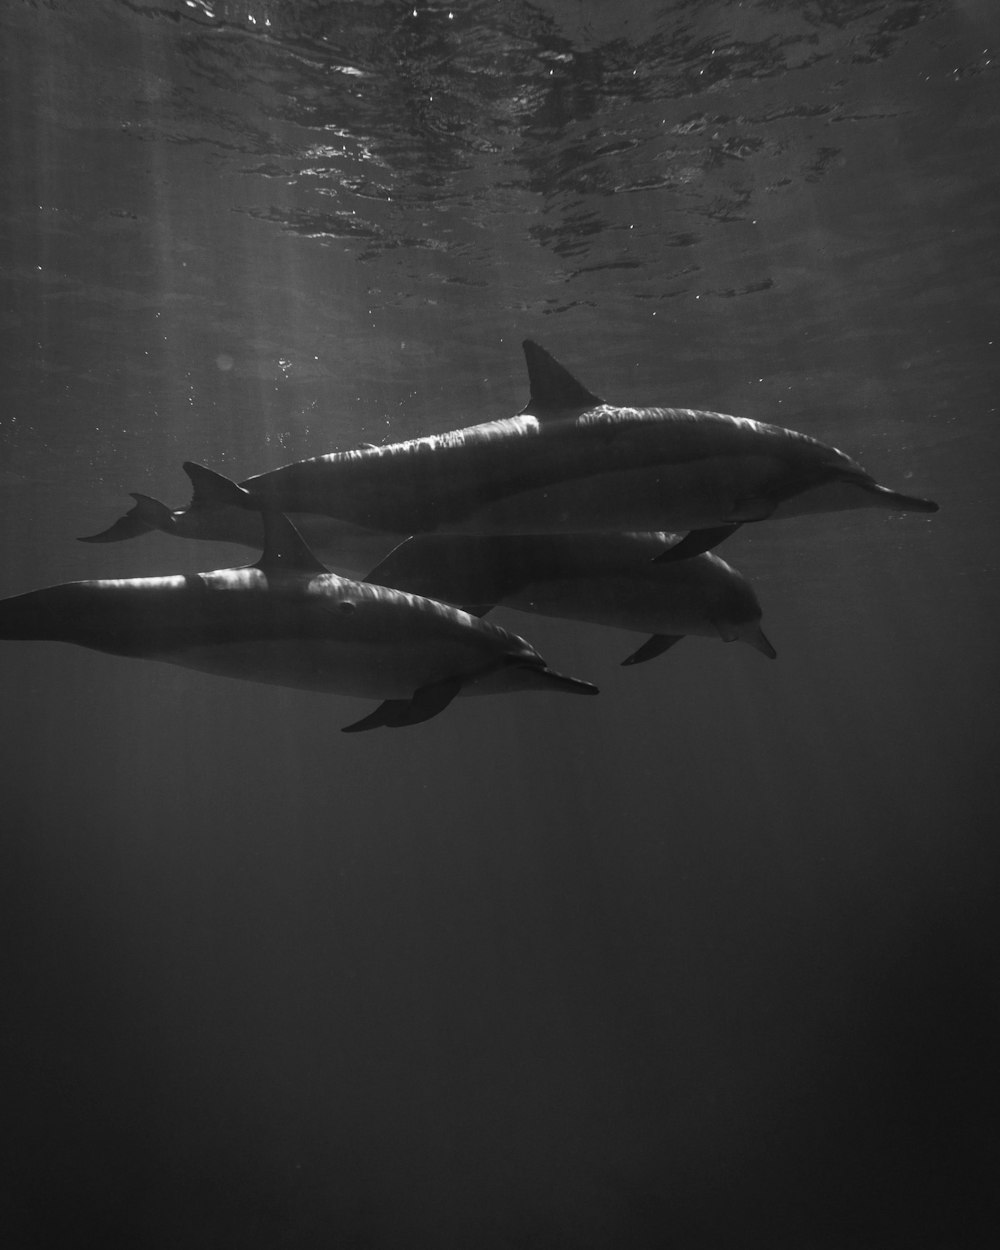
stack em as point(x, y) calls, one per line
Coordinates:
point(710, 961)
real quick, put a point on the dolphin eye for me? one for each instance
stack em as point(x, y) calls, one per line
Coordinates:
point(345, 607)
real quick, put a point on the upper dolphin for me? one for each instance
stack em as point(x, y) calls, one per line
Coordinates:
point(286, 620)
point(567, 463)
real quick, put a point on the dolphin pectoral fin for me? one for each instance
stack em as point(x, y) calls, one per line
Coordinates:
point(384, 714)
point(757, 508)
point(213, 490)
point(696, 543)
point(652, 647)
point(554, 390)
point(428, 701)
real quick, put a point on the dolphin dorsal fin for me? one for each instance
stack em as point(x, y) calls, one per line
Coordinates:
point(554, 390)
point(211, 489)
point(150, 513)
point(285, 549)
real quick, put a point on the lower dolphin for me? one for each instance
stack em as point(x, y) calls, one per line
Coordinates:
point(623, 580)
point(287, 621)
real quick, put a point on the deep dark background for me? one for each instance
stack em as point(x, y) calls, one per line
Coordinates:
point(710, 961)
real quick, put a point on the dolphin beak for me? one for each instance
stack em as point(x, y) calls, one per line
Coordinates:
point(572, 685)
point(897, 501)
point(535, 676)
point(759, 641)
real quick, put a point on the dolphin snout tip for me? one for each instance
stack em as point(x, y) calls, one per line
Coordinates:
point(571, 685)
point(913, 503)
point(895, 499)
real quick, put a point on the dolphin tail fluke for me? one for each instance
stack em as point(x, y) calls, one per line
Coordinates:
point(428, 701)
point(128, 526)
point(651, 648)
point(147, 515)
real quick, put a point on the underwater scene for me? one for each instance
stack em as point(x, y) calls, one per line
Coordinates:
point(376, 375)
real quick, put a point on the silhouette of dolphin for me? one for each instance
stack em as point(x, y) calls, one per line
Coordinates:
point(221, 511)
point(287, 621)
point(607, 579)
point(567, 463)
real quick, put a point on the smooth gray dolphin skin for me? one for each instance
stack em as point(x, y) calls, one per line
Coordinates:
point(287, 621)
point(567, 463)
point(606, 579)
point(220, 511)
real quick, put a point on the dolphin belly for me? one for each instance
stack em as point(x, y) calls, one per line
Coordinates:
point(620, 601)
point(692, 494)
point(368, 672)
point(358, 669)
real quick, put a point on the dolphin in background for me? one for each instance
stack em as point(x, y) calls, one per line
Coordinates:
point(606, 579)
point(567, 463)
point(287, 621)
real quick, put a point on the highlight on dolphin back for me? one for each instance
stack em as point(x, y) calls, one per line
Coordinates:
point(567, 463)
point(287, 621)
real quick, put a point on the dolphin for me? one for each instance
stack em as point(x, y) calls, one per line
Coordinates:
point(287, 621)
point(607, 579)
point(567, 463)
point(219, 511)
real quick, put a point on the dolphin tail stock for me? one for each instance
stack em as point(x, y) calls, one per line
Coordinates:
point(147, 515)
point(428, 701)
point(209, 490)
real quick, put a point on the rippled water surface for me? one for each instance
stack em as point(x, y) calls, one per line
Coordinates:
point(708, 961)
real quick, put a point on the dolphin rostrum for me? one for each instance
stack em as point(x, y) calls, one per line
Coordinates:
point(287, 621)
point(567, 463)
point(607, 579)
